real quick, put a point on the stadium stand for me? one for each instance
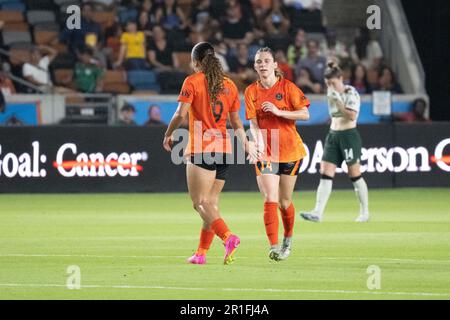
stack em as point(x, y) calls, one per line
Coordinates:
point(284, 25)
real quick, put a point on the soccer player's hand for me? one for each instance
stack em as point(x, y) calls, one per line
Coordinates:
point(270, 107)
point(167, 143)
point(253, 153)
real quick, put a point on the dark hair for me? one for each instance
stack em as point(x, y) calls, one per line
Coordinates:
point(278, 72)
point(332, 71)
point(128, 107)
point(353, 77)
point(87, 50)
point(203, 52)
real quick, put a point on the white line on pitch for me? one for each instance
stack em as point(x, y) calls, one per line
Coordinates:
point(394, 260)
point(35, 285)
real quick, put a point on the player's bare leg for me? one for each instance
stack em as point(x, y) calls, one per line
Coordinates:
point(268, 185)
point(207, 234)
point(361, 190)
point(287, 185)
point(200, 181)
point(327, 171)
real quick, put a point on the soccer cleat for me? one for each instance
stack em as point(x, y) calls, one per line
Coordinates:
point(363, 218)
point(310, 217)
point(197, 259)
point(274, 253)
point(285, 248)
point(231, 245)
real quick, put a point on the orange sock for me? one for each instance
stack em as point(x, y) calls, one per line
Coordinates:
point(271, 221)
point(220, 229)
point(206, 238)
point(288, 217)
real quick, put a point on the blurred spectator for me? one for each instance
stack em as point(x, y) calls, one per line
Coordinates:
point(220, 49)
point(281, 60)
point(154, 116)
point(88, 74)
point(359, 79)
point(126, 117)
point(241, 66)
point(387, 81)
point(202, 17)
point(112, 48)
point(346, 67)
point(277, 20)
point(170, 16)
point(366, 50)
point(132, 49)
point(147, 16)
point(6, 85)
point(160, 51)
point(90, 32)
point(313, 61)
point(335, 49)
point(417, 114)
point(306, 82)
point(236, 29)
point(297, 50)
point(36, 71)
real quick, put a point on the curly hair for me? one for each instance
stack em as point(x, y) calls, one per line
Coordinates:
point(204, 53)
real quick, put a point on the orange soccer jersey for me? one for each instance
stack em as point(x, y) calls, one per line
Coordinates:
point(208, 123)
point(285, 95)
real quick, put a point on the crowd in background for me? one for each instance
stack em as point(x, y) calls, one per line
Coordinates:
point(148, 34)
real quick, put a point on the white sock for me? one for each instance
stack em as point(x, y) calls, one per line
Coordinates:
point(323, 194)
point(363, 195)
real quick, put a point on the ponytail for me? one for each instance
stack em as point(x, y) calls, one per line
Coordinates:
point(332, 71)
point(212, 68)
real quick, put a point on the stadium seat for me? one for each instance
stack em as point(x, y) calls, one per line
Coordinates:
point(142, 80)
point(47, 26)
point(11, 16)
point(105, 19)
point(10, 37)
point(18, 56)
point(16, 26)
point(38, 16)
point(40, 5)
point(44, 37)
point(13, 6)
point(115, 82)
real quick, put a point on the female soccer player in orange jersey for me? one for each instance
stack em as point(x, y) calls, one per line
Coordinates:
point(273, 105)
point(210, 98)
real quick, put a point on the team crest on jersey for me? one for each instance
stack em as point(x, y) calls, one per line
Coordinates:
point(185, 93)
point(279, 96)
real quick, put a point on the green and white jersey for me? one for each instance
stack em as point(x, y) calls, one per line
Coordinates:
point(350, 98)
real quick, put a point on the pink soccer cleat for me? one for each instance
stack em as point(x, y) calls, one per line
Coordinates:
point(230, 246)
point(197, 259)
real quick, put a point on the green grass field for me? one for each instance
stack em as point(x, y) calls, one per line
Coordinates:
point(134, 247)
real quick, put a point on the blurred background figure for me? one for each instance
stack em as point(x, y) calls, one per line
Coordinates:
point(126, 117)
point(417, 113)
point(154, 116)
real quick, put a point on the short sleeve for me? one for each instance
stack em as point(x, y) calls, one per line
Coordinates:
point(353, 100)
point(250, 107)
point(187, 92)
point(297, 97)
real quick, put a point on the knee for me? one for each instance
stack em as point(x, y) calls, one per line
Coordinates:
point(285, 203)
point(270, 197)
point(200, 204)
